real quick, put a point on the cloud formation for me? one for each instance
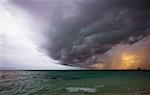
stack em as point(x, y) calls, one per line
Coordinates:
point(17, 49)
point(80, 30)
point(96, 28)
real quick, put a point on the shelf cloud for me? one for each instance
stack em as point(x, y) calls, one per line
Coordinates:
point(78, 32)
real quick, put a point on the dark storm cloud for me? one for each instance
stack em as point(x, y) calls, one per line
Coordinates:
point(98, 26)
point(94, 27)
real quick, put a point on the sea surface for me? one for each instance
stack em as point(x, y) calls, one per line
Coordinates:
point(74, 83)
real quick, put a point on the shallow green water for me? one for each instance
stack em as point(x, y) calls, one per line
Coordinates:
point(74, 83)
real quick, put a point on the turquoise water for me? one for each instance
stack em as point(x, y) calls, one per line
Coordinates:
point(74, 83)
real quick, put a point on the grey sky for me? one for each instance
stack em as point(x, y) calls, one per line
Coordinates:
point(17, 46)
point(79, 32)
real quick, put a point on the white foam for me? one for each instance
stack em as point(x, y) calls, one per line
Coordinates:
point(81, 89)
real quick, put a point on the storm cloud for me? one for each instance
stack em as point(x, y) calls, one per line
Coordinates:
point(96, 28)
point(80, 30)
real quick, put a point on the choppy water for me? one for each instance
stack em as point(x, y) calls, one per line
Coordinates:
point(74, 83)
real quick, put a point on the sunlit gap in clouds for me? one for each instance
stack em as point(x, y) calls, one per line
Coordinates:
point(126, 57)
point(17, 48)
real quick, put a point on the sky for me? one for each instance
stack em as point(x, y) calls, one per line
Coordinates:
point(17, 48)
point(67, 34)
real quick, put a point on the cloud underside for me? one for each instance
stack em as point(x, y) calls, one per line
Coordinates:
point(82, 29)
point(95, 28)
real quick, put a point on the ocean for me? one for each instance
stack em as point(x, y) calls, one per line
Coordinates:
point(74, 83)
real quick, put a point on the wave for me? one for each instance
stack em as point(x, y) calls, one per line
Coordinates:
point(81, 89)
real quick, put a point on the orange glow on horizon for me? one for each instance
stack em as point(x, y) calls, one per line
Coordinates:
point(129, 61)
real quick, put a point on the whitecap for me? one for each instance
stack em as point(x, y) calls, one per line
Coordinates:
point(81, 89)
